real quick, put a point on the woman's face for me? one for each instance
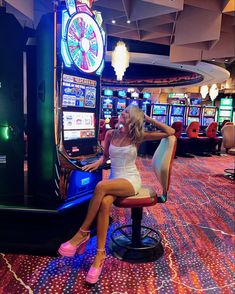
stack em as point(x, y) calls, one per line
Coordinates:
point(124, 117)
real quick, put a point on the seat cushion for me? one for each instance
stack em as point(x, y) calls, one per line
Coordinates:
point(147, 196)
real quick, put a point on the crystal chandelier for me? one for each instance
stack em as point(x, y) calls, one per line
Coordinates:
point(214, 91)
point(120, 59)
point(204, 91)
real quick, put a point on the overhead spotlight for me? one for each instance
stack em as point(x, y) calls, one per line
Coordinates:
point(226, 60)
point(113, 21)
point(213, 59)
point(128, 21)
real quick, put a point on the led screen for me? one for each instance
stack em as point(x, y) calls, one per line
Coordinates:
point(209, 111)
point(78, 92)
point(161, 118)
point(159, 109)
point(207, 121)
point(177, 118)
point(177, 110)
point(190, 119)
point(107, 103)
point(121, 93)
point(121, 103)
point(194, 111)
point(78, 125)
point(134, 102)
point(195, 101)
point(146, 95)
point(108, 92)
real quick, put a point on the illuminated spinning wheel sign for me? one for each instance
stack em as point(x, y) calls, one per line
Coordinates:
point(82, 41)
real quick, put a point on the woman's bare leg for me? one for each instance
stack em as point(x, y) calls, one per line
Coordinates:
point(102, 227)
point(117, 187)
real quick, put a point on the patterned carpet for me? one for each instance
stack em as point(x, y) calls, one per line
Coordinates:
point(197, 228)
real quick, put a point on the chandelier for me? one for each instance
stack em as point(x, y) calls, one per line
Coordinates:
point(214, 91)
point(120, 59)
point(204, 91)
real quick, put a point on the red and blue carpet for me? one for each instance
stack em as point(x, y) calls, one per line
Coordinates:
point(197, 228)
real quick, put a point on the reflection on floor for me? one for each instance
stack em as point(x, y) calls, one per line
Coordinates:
point(197, 228)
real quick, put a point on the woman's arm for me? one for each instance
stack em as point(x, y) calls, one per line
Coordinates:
point(164, 132)
point(93, 166)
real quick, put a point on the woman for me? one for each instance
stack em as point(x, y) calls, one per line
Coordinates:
point(121, 146)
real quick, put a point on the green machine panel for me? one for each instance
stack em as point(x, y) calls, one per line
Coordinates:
point(11, 106)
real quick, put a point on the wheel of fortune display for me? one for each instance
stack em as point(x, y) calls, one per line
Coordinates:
point(85, 42)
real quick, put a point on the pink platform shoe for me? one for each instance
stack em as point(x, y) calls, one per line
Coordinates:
point(94, 273)
point(69, 250)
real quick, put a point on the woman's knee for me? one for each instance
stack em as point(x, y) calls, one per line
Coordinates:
point(107, 202)
point(100, 187)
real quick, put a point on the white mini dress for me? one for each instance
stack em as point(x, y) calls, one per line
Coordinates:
point(123, 164)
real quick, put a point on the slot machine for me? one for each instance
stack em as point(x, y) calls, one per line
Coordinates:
point(177, 113)
point(193, 114)
point(146, 101)
point(160, 112)
point(208, 115)
point(70, 59)
point(107, 105)
point(121, 101)
point(225, 110)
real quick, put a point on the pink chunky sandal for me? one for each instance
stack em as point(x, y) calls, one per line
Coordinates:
point(69, 250)
point(94, 273)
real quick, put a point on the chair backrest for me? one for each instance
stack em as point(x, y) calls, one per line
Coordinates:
point(162, 161)
point(113, 122)
point(178, 127)
point(193, 129)
point(224, 122)
point(228, 133)
point(211, 129)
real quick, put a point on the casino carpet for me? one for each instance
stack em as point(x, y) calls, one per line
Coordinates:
point(197, 228)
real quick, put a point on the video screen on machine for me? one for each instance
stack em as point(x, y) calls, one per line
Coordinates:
point(207, 121)
point(177, 118)
point(146, 95)
point(144, 107)
point(108, 92)
point(177, 110)
point(159, 109)
point(190, 119)
point(195, 101)
point(134, 102)
point(107, 103)
point(78, 92)
point(160, 118)
point(209, 111)
point(78, 125)
point(225, 113)
point(194, 111)
point(121, 103)
point(121, 93)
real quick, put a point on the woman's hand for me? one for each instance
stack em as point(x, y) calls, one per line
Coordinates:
point(91, 167)
point(147, 118)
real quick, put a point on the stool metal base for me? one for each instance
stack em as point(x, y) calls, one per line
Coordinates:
point(148, 249)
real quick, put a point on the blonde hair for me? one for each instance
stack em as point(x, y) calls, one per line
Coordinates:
point(136, 126)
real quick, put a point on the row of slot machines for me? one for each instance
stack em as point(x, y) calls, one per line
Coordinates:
point(170, 113)
point(113, 106)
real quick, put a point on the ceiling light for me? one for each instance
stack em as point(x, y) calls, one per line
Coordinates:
point(213, 59)
point(120, 59)
point(226, 60)
point(113, 21)
point(128, 21)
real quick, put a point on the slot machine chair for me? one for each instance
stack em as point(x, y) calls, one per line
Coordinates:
point(225, 122)
point(102, 130)
point(214, 141)
point(136, 243)
point(113, 122)
point(178, 127)
point(228, 133)
point(193, 129)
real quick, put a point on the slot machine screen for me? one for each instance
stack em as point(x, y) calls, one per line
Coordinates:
point(146, 95)
point(177, 118)
point(160, 118)
point(177, 110)
point(107, 103)
point(76, 94)
point(78, 125)
point(159, 109)
point(108, 92)
point(144, 105)
point(209, 111)
point(121, 93)
point(194, 111)
point(121, 103)
point(190, 119)
point(134, 102)
point(195, 101)
point(207, 121)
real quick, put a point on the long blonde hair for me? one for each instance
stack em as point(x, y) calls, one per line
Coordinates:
point(136, 126)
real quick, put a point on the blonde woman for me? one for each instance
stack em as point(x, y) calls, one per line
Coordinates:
point(120, 146)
